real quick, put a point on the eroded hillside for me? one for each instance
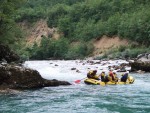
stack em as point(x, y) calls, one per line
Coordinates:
point(36, 32)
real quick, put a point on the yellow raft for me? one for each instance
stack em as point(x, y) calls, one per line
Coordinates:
point(130, 80)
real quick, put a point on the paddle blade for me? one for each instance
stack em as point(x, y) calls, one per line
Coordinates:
point(77, 81)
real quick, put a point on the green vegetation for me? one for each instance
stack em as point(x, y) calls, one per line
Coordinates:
point(61, 49)
point(124, 52)
point(80, 21)
point(9, 31)
point(91, 19)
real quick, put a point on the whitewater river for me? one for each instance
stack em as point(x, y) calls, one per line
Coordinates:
point(78, 98)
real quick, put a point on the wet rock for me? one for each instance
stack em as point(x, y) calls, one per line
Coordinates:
point(140, 71)
point(17, 77)
point(143, 57)
point(139, 65)
point(78, 71)
point(14, 76)
point(98, 62)
point(73, 68)
point(54, 82)
point(90, 62)
point(9, 91)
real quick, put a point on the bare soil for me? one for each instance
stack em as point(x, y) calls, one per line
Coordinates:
point(36, 31)
point(105, 43)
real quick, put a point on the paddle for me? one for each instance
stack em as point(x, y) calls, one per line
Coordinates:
point(78, 81)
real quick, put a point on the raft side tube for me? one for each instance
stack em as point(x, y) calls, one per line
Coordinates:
point(98, 82)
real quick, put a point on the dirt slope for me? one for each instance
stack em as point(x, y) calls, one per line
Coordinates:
point(36, 31)
point(106, 43)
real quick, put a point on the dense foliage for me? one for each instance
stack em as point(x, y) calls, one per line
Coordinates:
point(9, 31)
point(34, 10)
point(59, 49)
point(94, 18)
point(80, 21)
point(88, 19)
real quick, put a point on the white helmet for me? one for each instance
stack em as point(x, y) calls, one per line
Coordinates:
point(111, 69)
point(114, 71)
point(127, 72)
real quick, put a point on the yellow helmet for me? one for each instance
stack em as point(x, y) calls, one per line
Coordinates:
point(90, 72)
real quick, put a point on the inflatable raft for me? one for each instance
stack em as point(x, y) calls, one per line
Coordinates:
point(130, 80)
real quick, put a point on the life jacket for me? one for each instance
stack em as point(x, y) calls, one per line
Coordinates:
point(107, 79)
point(92, 74)
point(102, 74)
point(124, 77)
point(111, 75)
point(115, 77)
point(89, 75)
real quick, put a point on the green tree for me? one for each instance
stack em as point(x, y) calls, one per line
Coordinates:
point(8, 28)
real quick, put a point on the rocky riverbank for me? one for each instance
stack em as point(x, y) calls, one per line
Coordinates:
point(14, 76)
point(142, 63)
point(139, 65)
point(17, 77)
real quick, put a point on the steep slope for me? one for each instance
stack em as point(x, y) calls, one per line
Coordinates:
point(34, 33)
point(105, 43)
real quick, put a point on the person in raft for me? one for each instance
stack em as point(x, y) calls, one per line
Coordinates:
point(125, 76)
point(92, 74)
point(115, 76)
point(111, 75)
point(103, 76)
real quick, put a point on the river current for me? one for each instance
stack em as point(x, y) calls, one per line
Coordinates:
point(78, 98)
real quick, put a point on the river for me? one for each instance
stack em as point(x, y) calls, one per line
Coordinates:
point(78, 98)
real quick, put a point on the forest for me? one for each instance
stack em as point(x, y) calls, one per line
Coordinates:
point(80, 21)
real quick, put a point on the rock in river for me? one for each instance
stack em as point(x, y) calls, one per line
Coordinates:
point(17, 77)
point(141, 63)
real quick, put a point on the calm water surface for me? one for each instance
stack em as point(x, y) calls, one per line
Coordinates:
point(78, 98)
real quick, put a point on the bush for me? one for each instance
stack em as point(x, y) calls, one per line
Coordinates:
point(126, 52)
point(79, 51)
point(55, 14)
point(122, 48)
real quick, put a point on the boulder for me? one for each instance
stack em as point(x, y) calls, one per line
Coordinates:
point(139, 65)
point(145, 57)
point(17, 77)
point(14, 76)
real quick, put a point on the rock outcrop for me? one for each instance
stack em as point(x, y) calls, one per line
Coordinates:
point(17, 77)
point(141, 63)
point(13, 76)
